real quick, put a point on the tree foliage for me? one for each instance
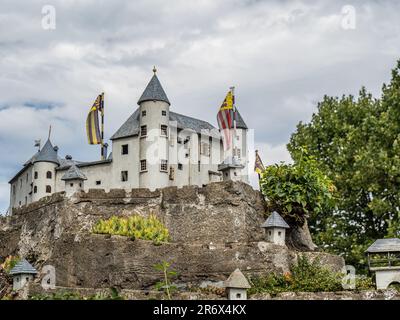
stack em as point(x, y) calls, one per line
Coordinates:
point(298, 191)
point(356, 142)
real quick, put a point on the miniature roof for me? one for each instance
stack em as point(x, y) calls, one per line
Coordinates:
point(23, 267)
point(237, 280)
point(240, 124)
point(385, 245)
point(131, 126)
point(47, 154)
point(73, 173)
point(154, 91)
point(275, 220)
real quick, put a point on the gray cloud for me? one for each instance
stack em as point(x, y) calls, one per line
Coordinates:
point(282, 56)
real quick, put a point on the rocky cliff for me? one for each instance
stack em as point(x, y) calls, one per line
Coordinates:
point(214, 230)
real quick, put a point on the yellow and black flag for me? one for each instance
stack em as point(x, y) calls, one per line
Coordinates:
point(258, 166)
point(93, 129)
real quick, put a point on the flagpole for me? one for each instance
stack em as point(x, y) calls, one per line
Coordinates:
point(234, 123)
point(103, 156)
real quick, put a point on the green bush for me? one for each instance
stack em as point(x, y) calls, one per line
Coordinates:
point(9, 263)
point(305, 276)
point(135, 227)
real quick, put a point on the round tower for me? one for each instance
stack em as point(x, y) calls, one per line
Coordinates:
point(44, 171)
point(154, 163)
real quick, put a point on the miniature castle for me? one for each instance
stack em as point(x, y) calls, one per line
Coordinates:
point(154, 148)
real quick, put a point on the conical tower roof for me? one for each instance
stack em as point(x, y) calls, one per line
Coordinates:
point(275, 220)
point(237, 280)
point(154, 91)
point(47, 154)
point(73, 173)
point(23, 267)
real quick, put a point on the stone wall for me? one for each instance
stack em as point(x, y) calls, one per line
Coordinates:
point(214, 230)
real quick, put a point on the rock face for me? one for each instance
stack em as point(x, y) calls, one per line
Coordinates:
point(214, 230)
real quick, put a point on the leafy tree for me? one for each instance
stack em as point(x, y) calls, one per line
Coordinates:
point(298, 191)
point(356, 142)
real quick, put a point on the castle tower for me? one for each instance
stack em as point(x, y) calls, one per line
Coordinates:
point(153, 135)
point(44, 171)
point(236, 162)
point(74, 180)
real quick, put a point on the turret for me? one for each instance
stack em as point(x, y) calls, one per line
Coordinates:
point(44, 171)
point(153, 135)
point(74, 180)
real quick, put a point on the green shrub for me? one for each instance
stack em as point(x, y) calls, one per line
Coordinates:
point(305, 276)
point(135, 227)
point(9, 263)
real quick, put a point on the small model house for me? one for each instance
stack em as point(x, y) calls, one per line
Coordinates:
point(236, 286)
point(74, 179)
point(275, 228)
point(22, 273)
point(384, 260)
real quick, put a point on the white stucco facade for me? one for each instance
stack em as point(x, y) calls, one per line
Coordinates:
point(154, 148)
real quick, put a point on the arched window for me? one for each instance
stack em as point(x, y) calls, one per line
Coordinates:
point(48, 189)
point(48, 174)
point(35, 189)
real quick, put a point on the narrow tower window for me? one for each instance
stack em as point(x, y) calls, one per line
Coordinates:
point(124, 176)
point(48, 175)
point(124, 149)
point(36, 175)
point(143, 131)
point(143, 113)
point(35, 189)
point(163, 113)
point(143, 165)
point(164, 130)
point(48, 189)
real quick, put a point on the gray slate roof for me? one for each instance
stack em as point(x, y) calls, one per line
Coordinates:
point(237, 280)
point(47, 154)
point(73, 173)
point(23, 267)
point(131, 126)
point(154, 91)
point(275, 220)
point(385, 245)
point(240, 124)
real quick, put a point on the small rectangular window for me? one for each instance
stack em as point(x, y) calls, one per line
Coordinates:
point(199, 166)
point(143, 131)
point(36, 175)
point(163, 113)
point(164, 130)
point(143, 165)
point(124, 176)
point(164, 165)
point(98, 182)
point(124, 149)
point(143, 113)
point(180, 166)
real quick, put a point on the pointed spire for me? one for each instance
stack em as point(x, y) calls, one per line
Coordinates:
point(275, 220)
point(47, 154)
point(154, 91)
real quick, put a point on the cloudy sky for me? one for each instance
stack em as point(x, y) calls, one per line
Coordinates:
point(282, 56)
